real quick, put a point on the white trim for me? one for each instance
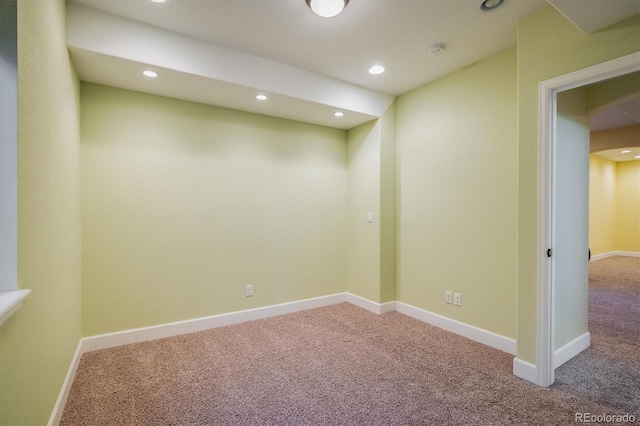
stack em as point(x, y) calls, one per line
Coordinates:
point(371, 306)
point(109, 340)
point(546, 196)
point(627, 253)
point(615, 253)
point(525, 370)
point(10, 302)
point(547, 91)
point(602, 256)
point(503, 343)
point(144, 334)
point(58, 409)
point(571, 349)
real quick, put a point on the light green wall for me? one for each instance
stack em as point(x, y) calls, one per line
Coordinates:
point(371, 261)
point(38, 343)
point(184, 204)
point(458, 178)
point(388, 204)
point(363, 262)
point(602, 204)
point(549, 46)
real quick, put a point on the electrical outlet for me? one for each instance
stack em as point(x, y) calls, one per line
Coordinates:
point(447, 297)
point(248, 290)
point(457, 299)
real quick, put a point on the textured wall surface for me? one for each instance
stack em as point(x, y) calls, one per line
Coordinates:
point(363, 266)
point(458, 178)
point(38, 343)
point(184, 204)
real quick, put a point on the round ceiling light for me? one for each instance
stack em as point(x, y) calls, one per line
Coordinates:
point(327, 8)
point(150, 73)
point(490, 5)
point(338, 114)
point(626, 151)
point(376, 69)
point(261, 97)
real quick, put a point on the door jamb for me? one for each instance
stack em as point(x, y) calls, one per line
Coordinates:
point(547, 105)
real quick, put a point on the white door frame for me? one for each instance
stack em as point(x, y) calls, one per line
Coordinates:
point(547, 107)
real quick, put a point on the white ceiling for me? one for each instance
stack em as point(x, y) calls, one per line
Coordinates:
point(223, 52)
point(593, 15)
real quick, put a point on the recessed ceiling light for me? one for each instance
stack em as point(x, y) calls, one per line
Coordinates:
point(150, 73)
point(637, 156)
point(490, 5)
point(376, 69)
point(327, 8)
point(159, 1)
point(261, 97)
point(338, 113)
point(626, 151)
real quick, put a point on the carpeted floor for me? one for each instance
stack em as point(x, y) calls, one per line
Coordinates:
point(609, 370)
point(338, 365)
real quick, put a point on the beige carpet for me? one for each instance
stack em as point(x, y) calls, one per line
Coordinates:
point(609, 370)
point(338, 365)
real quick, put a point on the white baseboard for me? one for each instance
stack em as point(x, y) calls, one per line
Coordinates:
point(480, 335)
point(109, 340)
point(571, 349)
point(376, 308)
point(144, 334)
point(525, 370)
point(627, 253)
point(615, 253)
point(58, 409)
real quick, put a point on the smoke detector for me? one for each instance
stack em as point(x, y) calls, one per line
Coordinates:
point(436, 49)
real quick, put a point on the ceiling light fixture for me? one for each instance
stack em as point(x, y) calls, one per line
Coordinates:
point(626, 151)
point(261, 97)
point(327, 8)
point(637, 156)
point(159, 1)
point(338, 114)
point(376, 69)
point(150, 73)
point(491, 5)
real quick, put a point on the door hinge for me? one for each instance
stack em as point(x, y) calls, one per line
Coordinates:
point(549, 253)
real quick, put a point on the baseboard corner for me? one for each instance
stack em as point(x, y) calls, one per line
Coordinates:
point(58, 408)
point(525, 370)
point(571, 349)
point(371, 306)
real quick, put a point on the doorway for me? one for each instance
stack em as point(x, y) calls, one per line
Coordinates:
point(551, 160)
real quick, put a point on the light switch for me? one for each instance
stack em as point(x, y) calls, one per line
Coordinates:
point(370, 217)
